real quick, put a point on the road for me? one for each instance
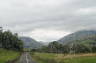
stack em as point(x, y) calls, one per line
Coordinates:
point(25, 58)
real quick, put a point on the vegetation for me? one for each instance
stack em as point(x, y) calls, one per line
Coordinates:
point(55, 47)
point(8, 55)
point(79, 51)
point(79, 36)
point(10, 46)
point(10, 41)
point(61, 58)
point(78, 42)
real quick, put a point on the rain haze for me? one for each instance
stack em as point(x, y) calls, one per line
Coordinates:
point(47, 20)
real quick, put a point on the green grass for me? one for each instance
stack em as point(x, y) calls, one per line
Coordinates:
point(43, 57)
point(81, 60)
point(6, 55)
point(61, 58)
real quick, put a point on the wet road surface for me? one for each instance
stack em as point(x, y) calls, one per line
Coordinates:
point(25, 58)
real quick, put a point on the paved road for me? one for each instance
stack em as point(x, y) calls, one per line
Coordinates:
point(25, 58)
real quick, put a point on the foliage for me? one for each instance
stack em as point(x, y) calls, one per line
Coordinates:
point(10, 41)
point(75, 47)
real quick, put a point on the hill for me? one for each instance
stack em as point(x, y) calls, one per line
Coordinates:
point(83, 36)
point(30, 43)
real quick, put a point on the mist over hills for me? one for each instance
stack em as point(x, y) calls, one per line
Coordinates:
point(30, 42)
point(83, 36)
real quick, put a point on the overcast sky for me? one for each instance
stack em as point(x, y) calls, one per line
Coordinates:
point(47, 20)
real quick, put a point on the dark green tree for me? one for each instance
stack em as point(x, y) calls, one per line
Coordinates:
point(10, 41)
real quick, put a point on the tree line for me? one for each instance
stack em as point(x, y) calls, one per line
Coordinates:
point(55, 47)
point(11, 41)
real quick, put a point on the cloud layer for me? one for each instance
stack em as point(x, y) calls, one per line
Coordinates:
point(36, 17)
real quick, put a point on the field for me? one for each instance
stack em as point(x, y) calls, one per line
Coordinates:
point(61, 58)
point(6, 55)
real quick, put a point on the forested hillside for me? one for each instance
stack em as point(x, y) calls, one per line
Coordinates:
point(78, 42)
point(79, 36)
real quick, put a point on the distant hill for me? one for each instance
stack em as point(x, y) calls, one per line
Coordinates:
point(30, 43)
point(44, 43)
point(83, 36)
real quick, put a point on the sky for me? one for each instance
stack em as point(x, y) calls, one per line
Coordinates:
point(47, 20)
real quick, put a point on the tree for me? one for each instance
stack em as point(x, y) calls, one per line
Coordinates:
point(10, 41)
point(79, 48)
point(55, 47)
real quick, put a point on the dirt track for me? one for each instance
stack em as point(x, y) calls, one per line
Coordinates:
point(25, 58)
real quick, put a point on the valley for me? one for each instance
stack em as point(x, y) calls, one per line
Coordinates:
point(77, 47)
point(47, 31)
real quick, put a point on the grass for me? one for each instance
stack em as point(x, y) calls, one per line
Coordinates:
point(6, 55)
point(81, 60)
point(61, 58)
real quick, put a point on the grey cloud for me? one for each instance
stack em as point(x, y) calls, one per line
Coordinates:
point(28, 15)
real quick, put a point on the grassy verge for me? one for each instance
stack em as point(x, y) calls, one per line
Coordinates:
point(6, 55)
point(60, 58)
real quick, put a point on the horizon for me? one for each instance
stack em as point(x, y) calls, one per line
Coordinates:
point(47, 20)
point(59, 37)
point(42, 41)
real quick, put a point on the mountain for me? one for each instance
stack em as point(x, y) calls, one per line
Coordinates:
point(30, 43)
point(83, 36)
point(44, 43)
